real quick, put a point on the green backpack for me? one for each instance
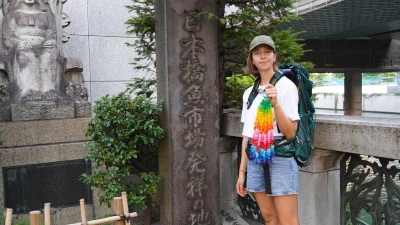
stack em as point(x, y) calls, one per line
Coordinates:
point(301, 146)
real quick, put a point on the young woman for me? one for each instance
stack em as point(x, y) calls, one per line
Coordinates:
point(280, 206)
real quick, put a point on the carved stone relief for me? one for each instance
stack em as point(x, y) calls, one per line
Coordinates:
point(33, 67)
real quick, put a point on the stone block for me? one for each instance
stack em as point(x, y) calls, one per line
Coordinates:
point(112, 88)
point(83, 109)
point(110, 20)
point(323, 160)
point(333, 187)
point(231, 125)
point(225, 176)
point(77, 10)
point(359, 135)
point(235, 168)
point(25, 133)
point(309, 185)
point(318, 186)
point(112, 63)
point(5, 113)
point(39, 110)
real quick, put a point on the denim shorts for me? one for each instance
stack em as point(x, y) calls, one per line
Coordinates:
point(284, 176)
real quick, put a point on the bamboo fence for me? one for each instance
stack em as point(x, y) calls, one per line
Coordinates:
point(121, 217)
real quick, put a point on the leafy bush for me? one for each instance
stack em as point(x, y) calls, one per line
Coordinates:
point(124, 133)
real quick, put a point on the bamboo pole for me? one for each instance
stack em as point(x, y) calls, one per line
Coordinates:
point(125, 206)
point(9, 216)
point(35, 218)
point(83, 211)
point(118, 210)
point(47, 214)
point(105, 220)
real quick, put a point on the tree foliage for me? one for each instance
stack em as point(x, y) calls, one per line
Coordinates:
point(143, 25)
point(239, 21)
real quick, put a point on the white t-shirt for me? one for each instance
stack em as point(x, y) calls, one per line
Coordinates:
point(287, 97)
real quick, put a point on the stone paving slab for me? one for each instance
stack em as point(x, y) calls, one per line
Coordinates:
point(230, 217)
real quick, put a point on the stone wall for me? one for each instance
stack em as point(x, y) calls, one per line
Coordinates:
point(98, 37)
point(29, 143)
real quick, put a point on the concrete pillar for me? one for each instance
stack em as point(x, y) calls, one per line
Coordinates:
point(187, 80)
point(319, 189)
point(352, 104)
point(229, 161)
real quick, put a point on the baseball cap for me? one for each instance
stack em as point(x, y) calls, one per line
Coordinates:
point(262, 39)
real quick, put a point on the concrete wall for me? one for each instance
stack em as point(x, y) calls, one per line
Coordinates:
point(98, 37)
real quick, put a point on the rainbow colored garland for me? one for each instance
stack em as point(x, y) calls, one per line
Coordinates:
point(262, 143)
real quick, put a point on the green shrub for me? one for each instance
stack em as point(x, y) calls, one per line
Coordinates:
point(124, 128)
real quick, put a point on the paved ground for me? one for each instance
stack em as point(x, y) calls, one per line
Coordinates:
point(247, 222)
point(251, 222)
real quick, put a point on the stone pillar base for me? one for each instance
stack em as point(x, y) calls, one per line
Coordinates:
point(319, 189)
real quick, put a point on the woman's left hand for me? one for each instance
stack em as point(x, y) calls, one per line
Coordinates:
point(271, 93)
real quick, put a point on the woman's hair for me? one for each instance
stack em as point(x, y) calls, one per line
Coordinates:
point(251, 69)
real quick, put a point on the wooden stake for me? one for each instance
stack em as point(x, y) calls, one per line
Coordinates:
point(9, 216)
point(47, 214)
point(118, 210)
point(35, 218)
point(83, 211)
point(125, 206)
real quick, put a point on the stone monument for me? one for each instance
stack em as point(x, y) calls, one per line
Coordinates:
point(38, 81)
point(44, 111)
point(187, 82)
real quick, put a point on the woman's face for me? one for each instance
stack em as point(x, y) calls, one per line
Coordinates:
point(263, 57)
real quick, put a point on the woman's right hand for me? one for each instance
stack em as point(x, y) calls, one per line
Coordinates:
point(240, 189)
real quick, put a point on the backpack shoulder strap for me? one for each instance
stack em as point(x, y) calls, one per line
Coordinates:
point(275, 78)
point(277, 75)
point(253, 93)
